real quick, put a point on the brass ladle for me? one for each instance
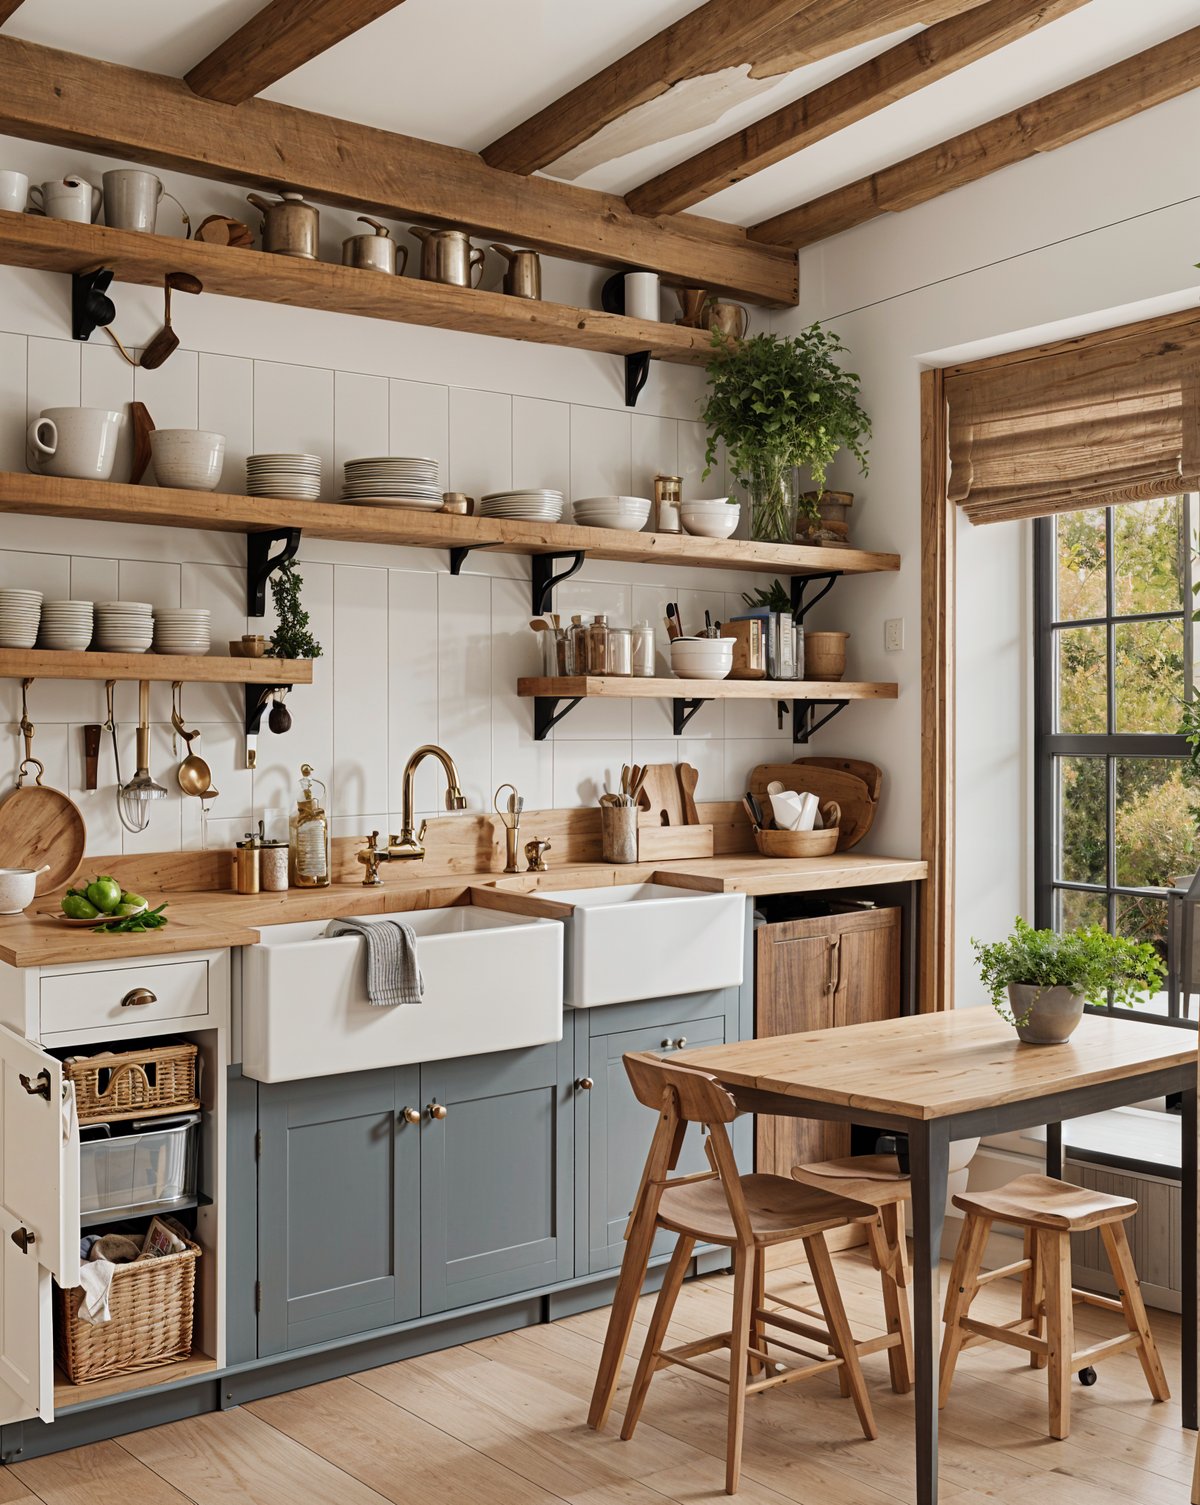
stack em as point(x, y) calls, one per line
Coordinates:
point(194, 776)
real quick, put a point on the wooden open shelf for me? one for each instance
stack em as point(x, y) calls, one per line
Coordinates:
point(632, 688)
point(48, 663)
point(67, 1395)
point(56, 245)
point(161, 506)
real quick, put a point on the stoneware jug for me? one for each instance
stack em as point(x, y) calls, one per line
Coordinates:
point(290, 227)
point(448, 256)
point(71, 198)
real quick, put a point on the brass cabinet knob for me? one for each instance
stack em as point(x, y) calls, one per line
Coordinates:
point(584, 1083)
point(436, 1110)
point(666, 1045)
point(138, 998)
point(411, 1115)
point(681, 1042)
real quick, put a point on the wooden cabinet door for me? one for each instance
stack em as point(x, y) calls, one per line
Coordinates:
point(338, 1207)
point(816, 974)
point(496, 1204)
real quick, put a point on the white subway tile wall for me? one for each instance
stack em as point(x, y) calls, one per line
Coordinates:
point(412, 654)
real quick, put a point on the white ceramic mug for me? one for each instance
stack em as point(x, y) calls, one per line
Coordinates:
point(79, 442)
point(71, 198)
point(131, 199)
point(14, 191)
point(642, 296)
point(191, 459)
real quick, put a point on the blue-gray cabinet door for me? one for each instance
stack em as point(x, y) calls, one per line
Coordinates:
point(614, 1131)
point(338, 1207)
point(496, 1176)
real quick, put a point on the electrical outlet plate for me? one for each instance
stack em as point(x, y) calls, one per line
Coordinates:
point(893, 634)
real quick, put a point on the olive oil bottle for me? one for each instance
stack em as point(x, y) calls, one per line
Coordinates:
point(310, 834)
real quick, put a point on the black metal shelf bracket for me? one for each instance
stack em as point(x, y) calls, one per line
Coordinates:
point(91, 307)
point(544, 578)
point(458, 555)
point(547, 713)
point(637, 373)
point(258, 698)
point(261, 563)
point(800, 585)
point(683, 709)
point(805, 721)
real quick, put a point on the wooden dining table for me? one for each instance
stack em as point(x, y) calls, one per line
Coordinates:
point(939, 1078)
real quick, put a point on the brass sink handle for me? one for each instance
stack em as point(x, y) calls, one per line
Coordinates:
point(370, 856)
point(535, 856)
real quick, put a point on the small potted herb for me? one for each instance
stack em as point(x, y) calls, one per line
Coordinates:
point(1047, 976)
point(777, 403)
point(291, 638)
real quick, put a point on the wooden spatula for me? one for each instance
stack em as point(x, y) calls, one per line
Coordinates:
point(143, 427)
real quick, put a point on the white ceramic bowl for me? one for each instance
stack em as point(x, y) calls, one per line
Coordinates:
point(188, 458)
point(702, 658)
point(710, 519)
point(16, 888)
point(626, 512)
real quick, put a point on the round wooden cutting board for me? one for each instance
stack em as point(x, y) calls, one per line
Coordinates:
point(845, 789)
point(38, 825)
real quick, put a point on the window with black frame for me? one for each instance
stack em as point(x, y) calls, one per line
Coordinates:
point(1116, 814)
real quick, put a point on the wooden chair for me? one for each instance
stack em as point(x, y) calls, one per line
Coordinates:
point(749, 1214)
point(1049, 1211)
point(878, 1181)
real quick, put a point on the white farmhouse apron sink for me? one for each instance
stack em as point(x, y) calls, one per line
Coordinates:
point(493, 981)
point(650, 940)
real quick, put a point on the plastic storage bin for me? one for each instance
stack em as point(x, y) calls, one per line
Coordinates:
point(149, 1169)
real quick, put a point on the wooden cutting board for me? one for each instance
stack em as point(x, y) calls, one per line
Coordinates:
point(846, 789)
point(661, 794)
point(689, 777)
point(870, 773)
point(39, 824)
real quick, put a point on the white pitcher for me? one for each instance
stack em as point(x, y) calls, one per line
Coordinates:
point(131, 199)
point(71, 198)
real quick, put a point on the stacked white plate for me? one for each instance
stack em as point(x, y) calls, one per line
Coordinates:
point(297, 476)
point(67, 625)
point(534, 506)
point(628, 512)
point(182, 629)
point(20, 612)
point(124, 626)
point(393, 481)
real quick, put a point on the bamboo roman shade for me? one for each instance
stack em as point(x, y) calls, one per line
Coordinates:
point(1109, 418)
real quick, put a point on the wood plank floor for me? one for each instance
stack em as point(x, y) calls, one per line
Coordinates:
point(502, 1422)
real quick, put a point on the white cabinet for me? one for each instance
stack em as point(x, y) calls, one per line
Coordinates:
point(63, 1007)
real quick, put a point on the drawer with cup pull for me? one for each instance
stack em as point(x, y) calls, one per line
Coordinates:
point(124, 1000)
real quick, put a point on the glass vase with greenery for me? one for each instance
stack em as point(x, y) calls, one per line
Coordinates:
point(776, 403)
point(291, 638)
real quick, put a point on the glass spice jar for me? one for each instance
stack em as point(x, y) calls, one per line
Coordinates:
point(620, 651)
point(598, 644)
point(580, 658)
point(643, 651)
point(668, 495)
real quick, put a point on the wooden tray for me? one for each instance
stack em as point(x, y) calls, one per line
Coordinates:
point(845, 789)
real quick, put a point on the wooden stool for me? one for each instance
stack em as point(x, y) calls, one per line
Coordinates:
point(879, 1181)
point(747, 1213)
point(1049, 1211)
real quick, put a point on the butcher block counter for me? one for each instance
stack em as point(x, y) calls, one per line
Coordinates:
point(203, 918)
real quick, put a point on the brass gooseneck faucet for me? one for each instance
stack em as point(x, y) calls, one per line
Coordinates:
point(408, 846)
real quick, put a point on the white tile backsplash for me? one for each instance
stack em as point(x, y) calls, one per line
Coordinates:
point(412, 654)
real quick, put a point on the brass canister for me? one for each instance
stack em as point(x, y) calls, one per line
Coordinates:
point(247, 857)
point(668, 495)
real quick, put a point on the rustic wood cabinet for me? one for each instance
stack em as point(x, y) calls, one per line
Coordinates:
point(816, 974)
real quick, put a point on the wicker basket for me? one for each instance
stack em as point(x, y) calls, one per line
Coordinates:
point(151, 1301)
point(134, 1083)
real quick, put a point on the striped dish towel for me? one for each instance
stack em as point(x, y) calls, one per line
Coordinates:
point(393, 975)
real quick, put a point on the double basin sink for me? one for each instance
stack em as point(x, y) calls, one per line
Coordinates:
point(494, 980)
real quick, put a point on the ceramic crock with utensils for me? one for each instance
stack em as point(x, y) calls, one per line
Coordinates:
point(376, 252)
point(290, 227)
point(448, 256)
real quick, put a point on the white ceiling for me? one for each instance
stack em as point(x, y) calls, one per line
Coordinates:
point(464, 72)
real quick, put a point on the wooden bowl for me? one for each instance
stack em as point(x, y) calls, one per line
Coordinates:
point(797, 843)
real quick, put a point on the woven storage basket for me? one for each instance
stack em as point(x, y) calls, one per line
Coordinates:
point(134, 1083)
point(151, 1301)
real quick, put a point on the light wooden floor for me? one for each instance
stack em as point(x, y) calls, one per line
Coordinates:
point(501, 1422)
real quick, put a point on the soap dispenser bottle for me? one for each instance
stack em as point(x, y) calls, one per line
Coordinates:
point(310, 834)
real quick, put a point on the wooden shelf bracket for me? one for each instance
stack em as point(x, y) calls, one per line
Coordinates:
point(261, 563)
point(544, 578)
point(548, 711)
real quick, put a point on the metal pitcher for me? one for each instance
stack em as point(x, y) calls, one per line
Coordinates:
point(523, 275)
point(290, 226)
point(448, 256)
point(376, 252)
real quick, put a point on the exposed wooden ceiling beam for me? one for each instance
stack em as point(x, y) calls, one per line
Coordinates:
point(7, 7)
point(276, 41)
point(1126, 88)
point(69, 100)
point(901, 70)
point(773, 36)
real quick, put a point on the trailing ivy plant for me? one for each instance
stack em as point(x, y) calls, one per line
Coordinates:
point(777, 403)
point(291, 638)
point(1088, 961)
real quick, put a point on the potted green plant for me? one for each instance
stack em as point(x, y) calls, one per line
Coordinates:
point(1047, 976)
point(291, 638)
point(777, 403)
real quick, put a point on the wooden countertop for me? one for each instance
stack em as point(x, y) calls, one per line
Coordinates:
point(202, 920)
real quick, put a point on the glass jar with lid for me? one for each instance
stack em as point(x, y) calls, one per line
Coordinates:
point(620, 651)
